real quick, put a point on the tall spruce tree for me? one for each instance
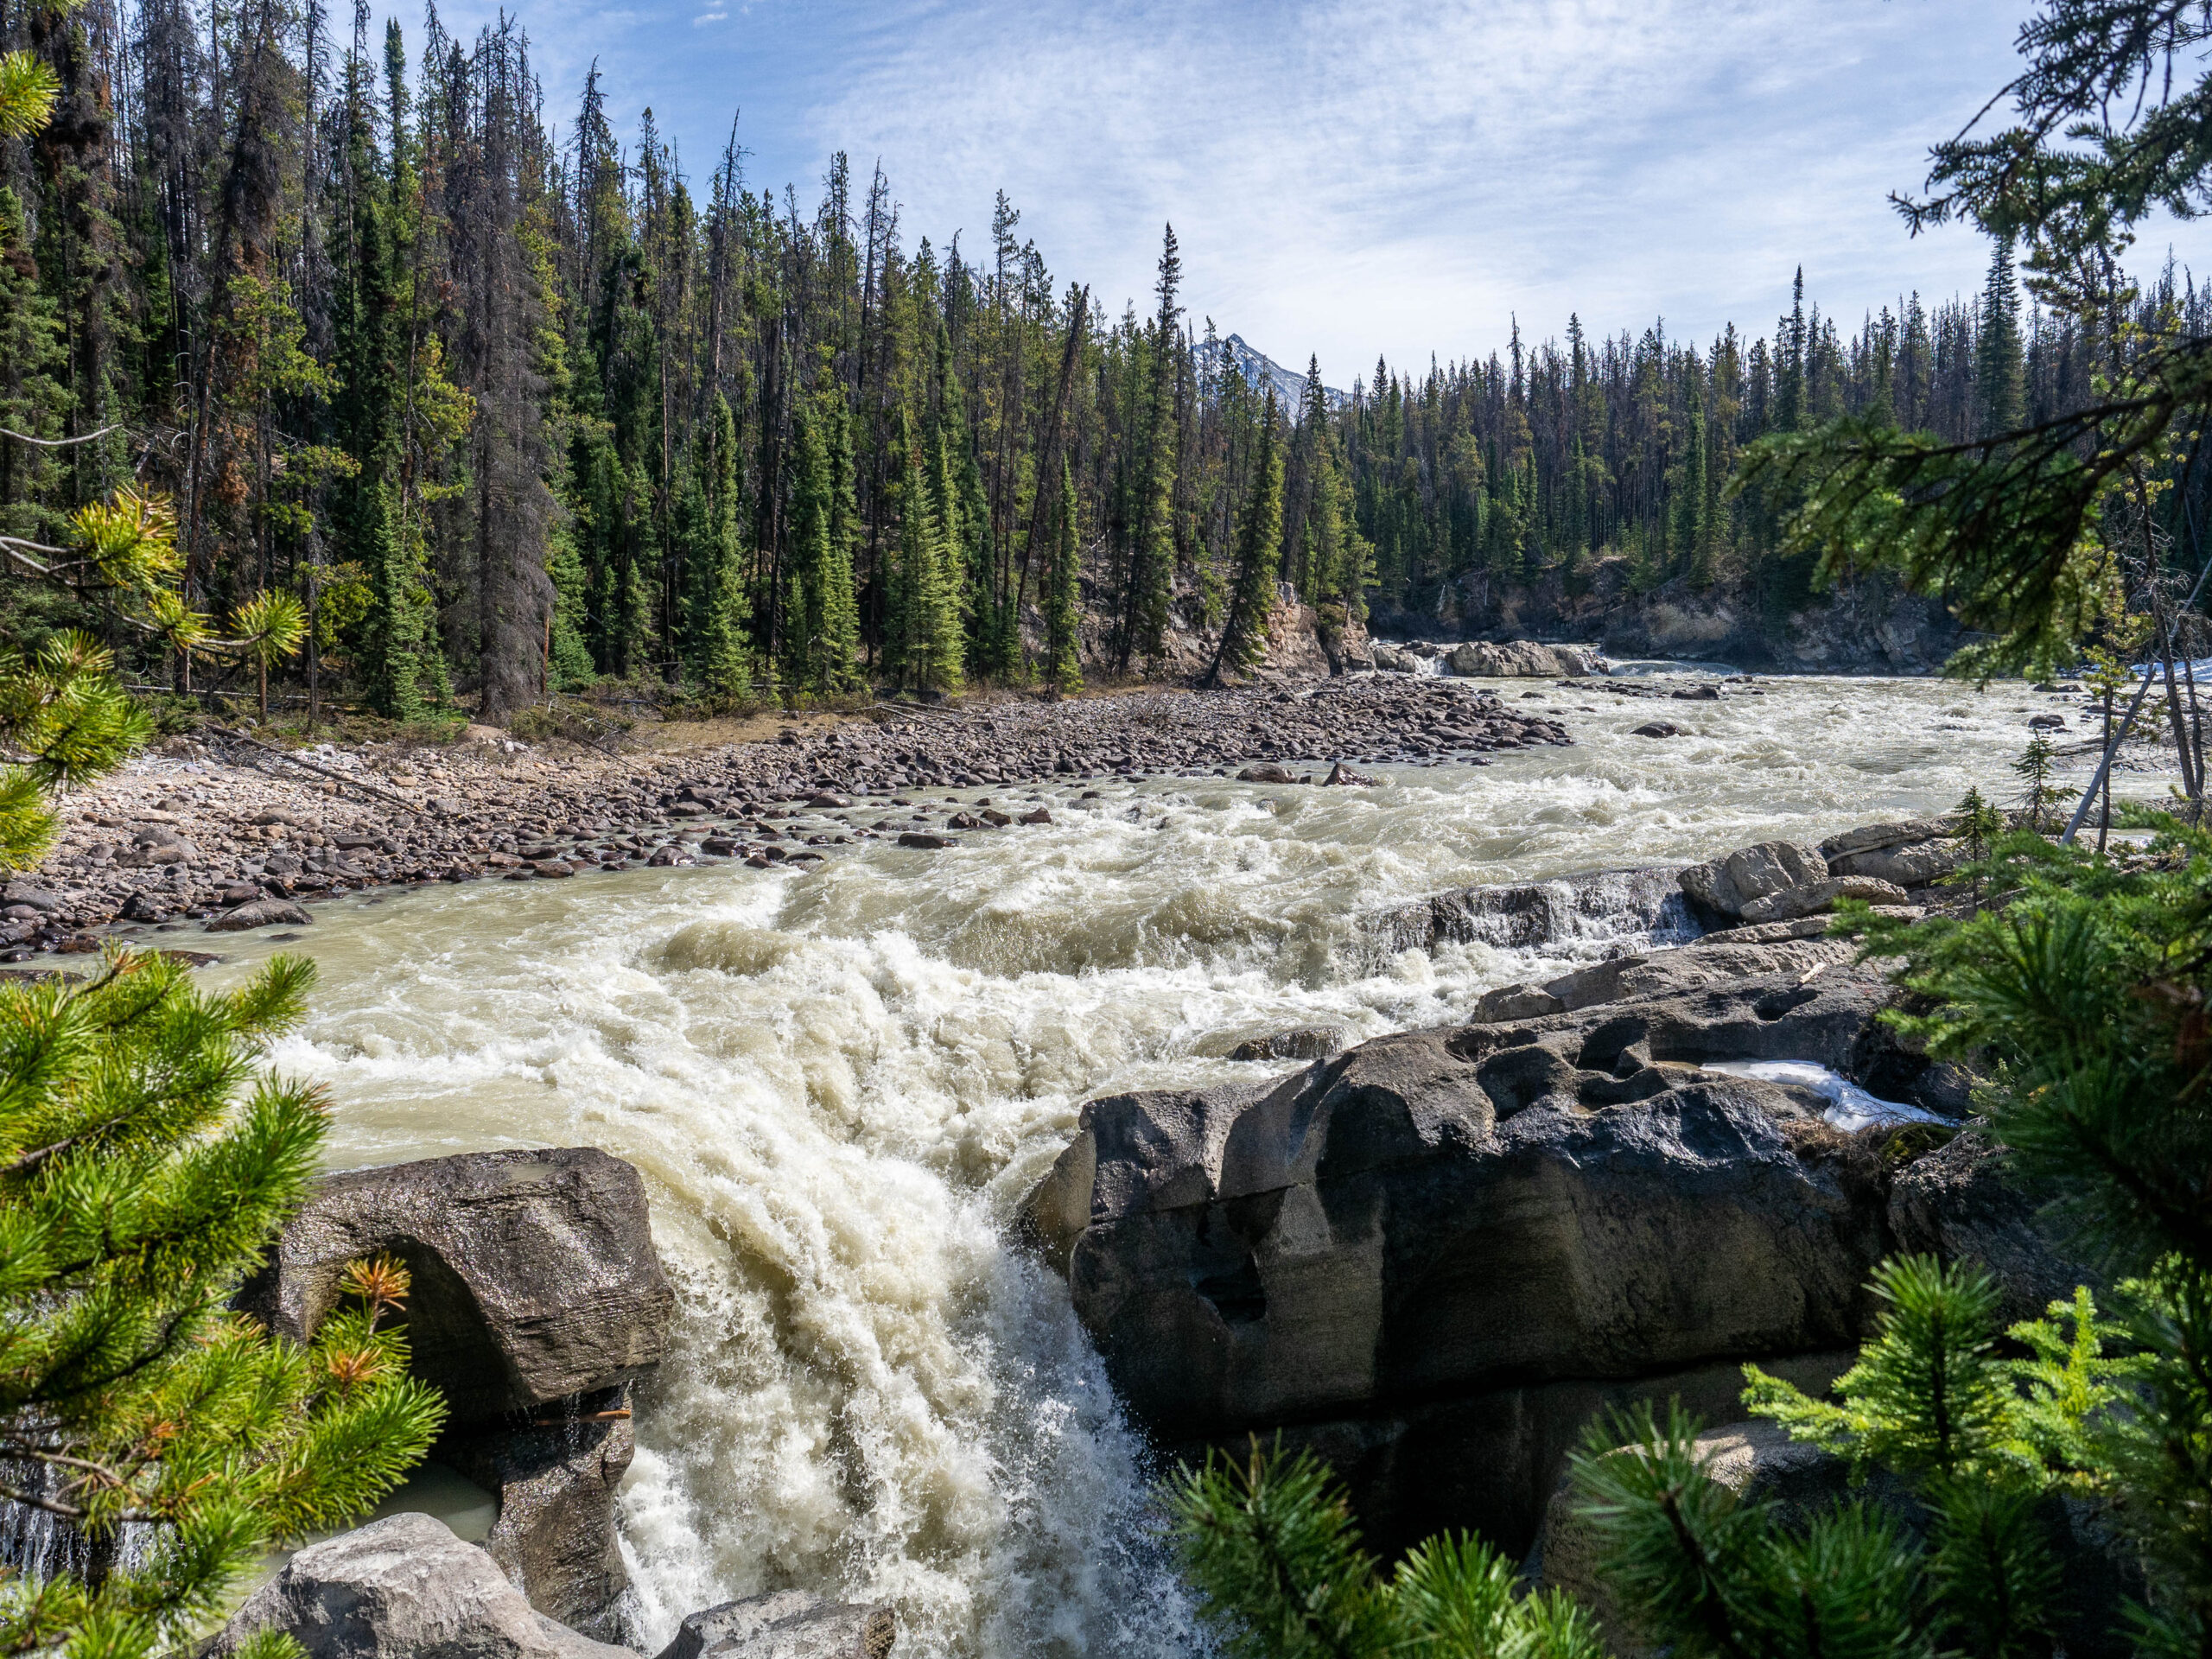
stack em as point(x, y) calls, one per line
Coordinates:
point(1245, 631)
point(1064, 596)
point(933, 647)
point(1152, 567)
point(1997, 346)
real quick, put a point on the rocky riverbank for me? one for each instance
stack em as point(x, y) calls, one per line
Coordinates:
point(237, 834)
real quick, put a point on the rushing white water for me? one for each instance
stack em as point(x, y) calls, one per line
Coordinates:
point(838, 1084)
point(1850, 1107)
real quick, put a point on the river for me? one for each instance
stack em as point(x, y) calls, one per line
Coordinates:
point(838, 1083)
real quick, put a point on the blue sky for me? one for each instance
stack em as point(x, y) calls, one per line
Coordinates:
point(1351, 179)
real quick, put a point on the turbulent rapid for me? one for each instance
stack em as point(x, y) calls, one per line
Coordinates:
point(838, 1082)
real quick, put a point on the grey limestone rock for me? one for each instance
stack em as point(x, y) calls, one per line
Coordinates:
point(1725, 886)
point(403, 1588)
point(1522, 660)
point(786, 1625)
point(259, 913)
point(1464, 1242)
point(534, 1273)
point(536, 1299)
point(1962, 1203)
point(1793, 903)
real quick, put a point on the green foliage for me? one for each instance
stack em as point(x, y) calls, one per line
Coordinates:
point(1064, 596)
point(1928, 1395)
point(1980, 1439)
point(1244, 630)
point(143, 1169)
point(2083, 1000)
point(2033, 770)
point(61, 706)
point(1270, 1546)
point(28, 89)
point(1718, 1577)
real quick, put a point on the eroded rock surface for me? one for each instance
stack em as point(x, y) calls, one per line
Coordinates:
point(786, 1625)
point(1433, 1257)
point(536, 1299)
point(403, 1588)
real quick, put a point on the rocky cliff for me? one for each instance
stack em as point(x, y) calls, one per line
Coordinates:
point(1866, 626)
point(1434, 1258)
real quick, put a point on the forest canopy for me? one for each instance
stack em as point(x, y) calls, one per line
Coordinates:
point(512, 406)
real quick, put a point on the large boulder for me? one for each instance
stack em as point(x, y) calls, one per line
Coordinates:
point(1725, 885)
point(1585, 905)
point(1916, 865)
point(536, 1299)
point(1657, 972)
point(786, 1625)
point(534, 1278)
point(1962, 1203)
point(1793, 903)
point(1879, 837)
point(1909, 853)
point(555, 1535)
point(403, 1588)
point(1522, 660)
point(1446, 1246)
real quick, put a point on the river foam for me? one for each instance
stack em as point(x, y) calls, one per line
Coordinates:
point(839, 1083)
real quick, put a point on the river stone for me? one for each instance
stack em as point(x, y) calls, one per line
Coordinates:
point(554, 1537)
point(1658, 972)
point(1916, 866)
point(258, 913)
point(1523, 1002)
point(786, 1624)
point(1302, 1043)
point(1727, 884)
point(1874, 837)
point(534, 1273)
point(1659, 728)
point(38, 898)
point(1792, 903)
point(1521, 659)
point(1961, 1202)
point(1267, 772)
point(403, 1588)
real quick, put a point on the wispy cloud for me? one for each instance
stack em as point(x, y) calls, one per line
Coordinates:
point(706, 17)
point(1353, 177)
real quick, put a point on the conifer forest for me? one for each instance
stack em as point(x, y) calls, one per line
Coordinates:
point(514, 399)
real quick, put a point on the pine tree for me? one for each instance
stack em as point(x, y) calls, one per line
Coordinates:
point(932, 647)
point(1268, 1543)
point(143, 1171)
point(840, 625)
point(2033, 769)
point(724, 660)
point(1151, 569)
point(1997, 347)
point(1064, 598)
point(1259, 539)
